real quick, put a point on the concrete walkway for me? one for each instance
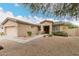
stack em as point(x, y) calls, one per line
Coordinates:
point(20, 40)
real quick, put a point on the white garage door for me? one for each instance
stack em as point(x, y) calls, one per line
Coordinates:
point(11, 31)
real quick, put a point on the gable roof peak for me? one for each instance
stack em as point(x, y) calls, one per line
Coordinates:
point(46, 20)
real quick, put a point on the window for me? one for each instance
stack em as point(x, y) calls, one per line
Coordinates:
point(56, 28)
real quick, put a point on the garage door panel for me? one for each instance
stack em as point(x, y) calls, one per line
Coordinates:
point(11, 31)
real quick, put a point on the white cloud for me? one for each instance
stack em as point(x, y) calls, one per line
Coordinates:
point(16, 4)
point(19, 17)
point(34, 19)
point(4, 14)
point(23, 18)
point(1, 8)
point(9, 14)
point(75, 22)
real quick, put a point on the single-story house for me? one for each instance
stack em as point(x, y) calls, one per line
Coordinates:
point(15, 27)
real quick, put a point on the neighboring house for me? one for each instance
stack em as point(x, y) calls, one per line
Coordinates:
point(15, 27)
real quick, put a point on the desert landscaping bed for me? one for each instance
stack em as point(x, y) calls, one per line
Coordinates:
point(45, 46)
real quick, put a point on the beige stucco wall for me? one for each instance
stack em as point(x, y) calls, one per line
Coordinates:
point(46, 24)
point(63, 28)
point(34, 30)
point(21, 29)
point(10, 23)
point(24, 28)
point(72, 32)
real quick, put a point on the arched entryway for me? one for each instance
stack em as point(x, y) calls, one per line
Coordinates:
point(46, 29)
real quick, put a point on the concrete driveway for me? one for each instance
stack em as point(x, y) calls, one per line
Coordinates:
point(44, 46)
point(20, 39)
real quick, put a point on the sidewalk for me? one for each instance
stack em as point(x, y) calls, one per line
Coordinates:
point(20, 40)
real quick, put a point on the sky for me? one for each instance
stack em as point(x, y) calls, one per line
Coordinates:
point(17, 11)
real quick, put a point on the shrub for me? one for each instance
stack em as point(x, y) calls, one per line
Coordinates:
point(1, 33)
point(50, 35)
point(60, 33)
point(29, 33)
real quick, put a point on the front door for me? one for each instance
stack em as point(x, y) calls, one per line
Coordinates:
point(46, 29)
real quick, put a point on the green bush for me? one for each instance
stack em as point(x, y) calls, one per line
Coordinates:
point(50, 35)
point(1, 33)
point(29, 33)
point(60, 33)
